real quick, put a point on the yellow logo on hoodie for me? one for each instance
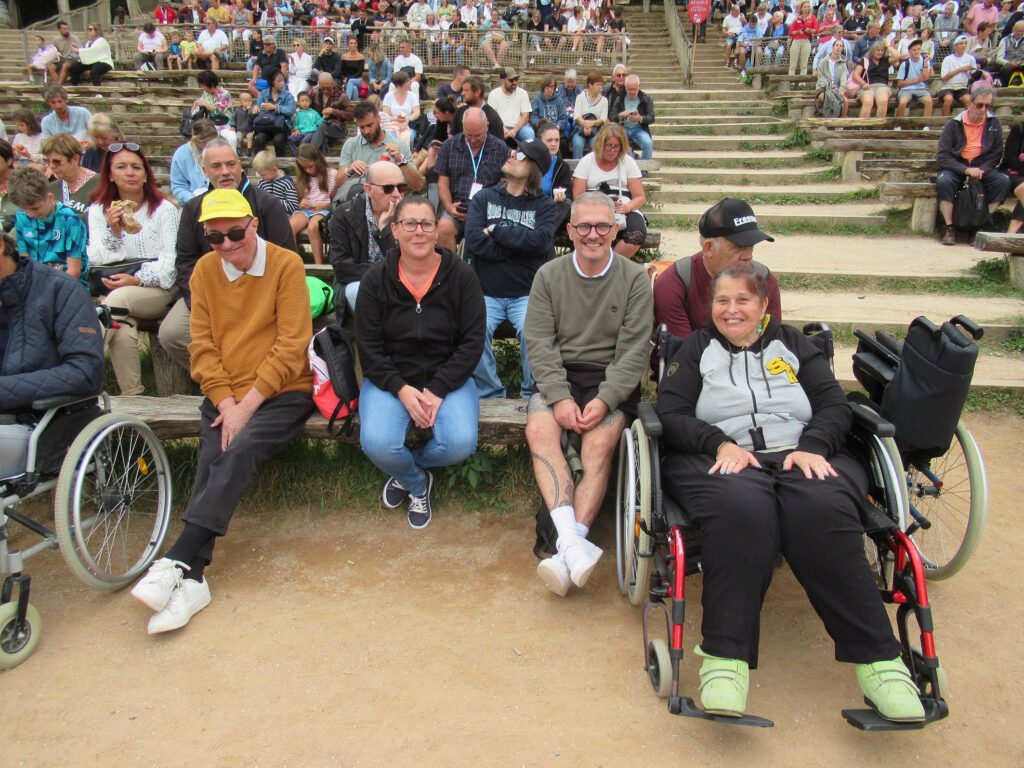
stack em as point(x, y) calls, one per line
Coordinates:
point(778, 365)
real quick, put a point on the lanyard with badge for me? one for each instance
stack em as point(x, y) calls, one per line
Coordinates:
point(477, 186)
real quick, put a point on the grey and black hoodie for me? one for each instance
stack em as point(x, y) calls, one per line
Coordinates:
point(779, 393)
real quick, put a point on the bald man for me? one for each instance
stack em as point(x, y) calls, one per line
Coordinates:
point(335, 108)
point(467, 163)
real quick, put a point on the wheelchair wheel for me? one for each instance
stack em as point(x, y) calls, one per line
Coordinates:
point(18, 643)
point(952, 493)
point(890, 481)
point(659, 667)
point(113, 501)
point(634, 506)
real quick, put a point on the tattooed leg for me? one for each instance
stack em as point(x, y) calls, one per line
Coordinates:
point(550, 468)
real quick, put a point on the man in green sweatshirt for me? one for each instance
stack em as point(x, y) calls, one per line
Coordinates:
point(588, 328)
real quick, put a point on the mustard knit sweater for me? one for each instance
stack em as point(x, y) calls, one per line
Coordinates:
point(253, 331)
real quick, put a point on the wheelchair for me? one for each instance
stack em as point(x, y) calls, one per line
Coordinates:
point(112, 505)
point(657, 546)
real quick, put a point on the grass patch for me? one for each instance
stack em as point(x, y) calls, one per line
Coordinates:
point(818, 154)
point(798, 138)
point(780, 108)
point(995, 401)
point(963, 286)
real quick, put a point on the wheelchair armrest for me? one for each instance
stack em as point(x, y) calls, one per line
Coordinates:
point(61, 400)
point(649, 418)
point(869, 419)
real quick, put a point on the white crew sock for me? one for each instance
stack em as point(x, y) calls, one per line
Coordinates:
point(582, 530)
point(564, 519)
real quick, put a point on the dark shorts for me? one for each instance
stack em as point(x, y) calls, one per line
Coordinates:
point(584, 381)
point(957, 93)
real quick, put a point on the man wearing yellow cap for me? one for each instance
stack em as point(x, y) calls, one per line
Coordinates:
point(250, 326)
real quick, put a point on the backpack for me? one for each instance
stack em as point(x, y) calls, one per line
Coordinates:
point(970, 207)
point(335, 387)
point(833, 104)
point(321, 296)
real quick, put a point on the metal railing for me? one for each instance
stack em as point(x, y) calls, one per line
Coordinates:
point(681, 44)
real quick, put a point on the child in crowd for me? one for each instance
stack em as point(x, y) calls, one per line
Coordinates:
point(189, 46)
point(48, 231)
point(45, 55)
point(307, 120)
point(316, 185)
point(174, 52)
point(243, 121)
point(275, 181)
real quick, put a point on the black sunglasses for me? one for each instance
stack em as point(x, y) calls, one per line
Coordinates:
point(389, 188)
point(131, 146)
point(235, 235)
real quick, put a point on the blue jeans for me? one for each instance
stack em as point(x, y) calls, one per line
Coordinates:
point(641, 138)
point(352, 88)
point(460, 54)
point(579, 142)
point(526, 133)
point(486, 374)
point(384, 424)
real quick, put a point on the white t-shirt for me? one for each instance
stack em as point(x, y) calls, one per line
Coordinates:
point(510, 107)
point(210, 43)
point(412, 100)
point(154, 43)
point(951, 62)
point(617, 178)
point(412, 60)
point(733, 24)
point(584, 107)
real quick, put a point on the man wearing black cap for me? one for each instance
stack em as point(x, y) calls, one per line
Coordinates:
point(728, 234)
point(510, 230)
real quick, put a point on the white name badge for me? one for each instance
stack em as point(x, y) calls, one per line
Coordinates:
point(474, 189)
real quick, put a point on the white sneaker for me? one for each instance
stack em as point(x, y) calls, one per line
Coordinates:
point(581, 556)
point(155, 588)
point(186, 601)
point(531, 61)
point(555, 574)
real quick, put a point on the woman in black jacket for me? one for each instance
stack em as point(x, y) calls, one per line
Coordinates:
point(1013, 166)
point(420, 324)
point(557, 182)
point(754, 424)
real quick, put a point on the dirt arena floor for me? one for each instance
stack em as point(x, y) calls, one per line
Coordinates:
point(351, 640)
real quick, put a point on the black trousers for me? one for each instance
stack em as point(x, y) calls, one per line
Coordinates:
point(324, 132)
point(748, 518)
point(223, 476)
point(280, 139)
point(96, 72)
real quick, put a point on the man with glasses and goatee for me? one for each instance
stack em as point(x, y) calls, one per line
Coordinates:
point(360, 230)
point(250, 329)
point(588, 326)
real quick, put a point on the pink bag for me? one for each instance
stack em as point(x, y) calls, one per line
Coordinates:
point(853, 86)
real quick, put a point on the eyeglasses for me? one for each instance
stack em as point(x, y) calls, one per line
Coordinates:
point(131, 146)
point(409, 225)
point(235, 235)
point(387, 189)
point(514, 155)
point(585, 229)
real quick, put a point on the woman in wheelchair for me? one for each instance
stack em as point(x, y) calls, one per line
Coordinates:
point(51, 344)
point(754, 428)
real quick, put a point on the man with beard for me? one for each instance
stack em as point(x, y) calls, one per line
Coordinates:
point(510, 232)
point(473, 96)
point(372, 144)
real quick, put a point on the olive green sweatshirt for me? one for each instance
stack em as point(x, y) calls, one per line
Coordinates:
point(603, 320)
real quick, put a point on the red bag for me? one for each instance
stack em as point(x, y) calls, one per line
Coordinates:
point(335, 387)
point(364, 90)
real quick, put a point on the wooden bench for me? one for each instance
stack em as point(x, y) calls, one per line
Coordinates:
point(1011, 245)
point(850, 148)
point(177, 417)
point(805, 106)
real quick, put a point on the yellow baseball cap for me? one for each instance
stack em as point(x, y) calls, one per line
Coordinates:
point(224, 204)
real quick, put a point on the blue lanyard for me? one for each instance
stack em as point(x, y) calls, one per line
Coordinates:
point(475, 160)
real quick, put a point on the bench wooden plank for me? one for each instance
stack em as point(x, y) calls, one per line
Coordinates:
point(177, 417)
point(908, 189)
point(999, 242)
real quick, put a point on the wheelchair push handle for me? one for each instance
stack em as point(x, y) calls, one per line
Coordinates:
point(972, 328)
point(931, 328)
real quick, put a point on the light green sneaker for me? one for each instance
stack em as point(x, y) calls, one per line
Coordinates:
point(723, 685)
point(890, 690)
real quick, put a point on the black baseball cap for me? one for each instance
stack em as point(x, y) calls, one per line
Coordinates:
point(734, 220)
point(537, 151)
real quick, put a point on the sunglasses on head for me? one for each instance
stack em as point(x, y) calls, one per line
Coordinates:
point(387, 189)
point(235, 235)
point(131, 146)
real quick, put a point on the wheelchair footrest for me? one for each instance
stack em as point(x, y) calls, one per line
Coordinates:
point(869, 720)
point(683, 705)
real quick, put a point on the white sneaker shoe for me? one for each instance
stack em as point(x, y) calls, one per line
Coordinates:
point(155, 588)
point(555, 574)
point(581, 556)
point(186, 601)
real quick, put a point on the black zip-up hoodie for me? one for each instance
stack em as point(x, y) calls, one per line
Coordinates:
point(433, 345)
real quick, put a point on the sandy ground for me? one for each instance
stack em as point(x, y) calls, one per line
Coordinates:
point(348, 639)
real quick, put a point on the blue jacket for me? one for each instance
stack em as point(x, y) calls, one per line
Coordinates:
point(554, 110)
point(186, 175)
point(520, 241)
point(285, 104)
point(55, 342)
point(382, 74)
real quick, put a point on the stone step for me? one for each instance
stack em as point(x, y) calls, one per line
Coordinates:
point(889, 310)
point(824, 217)
point(707, 141)
point(990, 372)
point(662, 95)
point(752, 130)
point(754, 178)
point(718, 158)
point(681, 120)
point(823, 193)
point(671, 108)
